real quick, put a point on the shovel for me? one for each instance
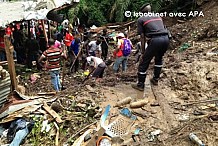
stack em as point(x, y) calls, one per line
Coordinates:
point(63, 76)
point(75, 60)
point(88, 75)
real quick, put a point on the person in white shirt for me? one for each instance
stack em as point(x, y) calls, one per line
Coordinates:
point(94, 48)
point(99, 66)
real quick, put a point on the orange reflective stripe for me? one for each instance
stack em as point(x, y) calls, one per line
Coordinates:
point(151, 20)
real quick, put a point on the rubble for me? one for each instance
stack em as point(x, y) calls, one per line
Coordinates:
point(184, 102)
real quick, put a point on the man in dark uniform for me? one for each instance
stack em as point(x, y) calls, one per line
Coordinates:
point(152, 30)
point(104, 44)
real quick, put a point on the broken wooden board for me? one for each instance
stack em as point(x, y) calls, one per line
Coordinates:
point(9, 49)
point(52, 112)
point(46, 93)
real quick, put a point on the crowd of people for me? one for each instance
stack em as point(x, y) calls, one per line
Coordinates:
point(82, 50)
point(77, 45)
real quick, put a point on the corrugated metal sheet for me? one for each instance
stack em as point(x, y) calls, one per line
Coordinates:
point(19, 10)
point(4, 89)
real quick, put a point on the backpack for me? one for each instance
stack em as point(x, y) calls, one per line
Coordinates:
point(127, 48)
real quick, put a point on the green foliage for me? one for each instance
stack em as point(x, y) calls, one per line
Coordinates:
point(99, 12)
point(35, 133)
point(36, 137)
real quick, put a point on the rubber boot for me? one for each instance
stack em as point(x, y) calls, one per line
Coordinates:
point(141, 81)
point(157, 71)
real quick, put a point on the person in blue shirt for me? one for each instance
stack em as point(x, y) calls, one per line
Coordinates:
point(75, 52)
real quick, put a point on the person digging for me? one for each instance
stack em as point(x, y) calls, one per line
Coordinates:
point(99, 67)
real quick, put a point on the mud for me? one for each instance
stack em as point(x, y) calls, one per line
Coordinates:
point(188, 75)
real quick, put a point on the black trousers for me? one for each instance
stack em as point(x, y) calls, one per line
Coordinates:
point(157, 46)
point(99, 71)
point(104, 51)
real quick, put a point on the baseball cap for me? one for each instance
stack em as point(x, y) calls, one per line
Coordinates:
point(121, 35)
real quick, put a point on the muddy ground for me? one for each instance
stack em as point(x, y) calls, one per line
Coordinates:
point(190, 74)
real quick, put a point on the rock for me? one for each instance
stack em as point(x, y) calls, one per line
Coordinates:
point(124, 101)
point(154, 104)
point(57, 107)
point(139, 104)
point(89, 88)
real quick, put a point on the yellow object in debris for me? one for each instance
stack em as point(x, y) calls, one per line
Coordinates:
point(86, 73)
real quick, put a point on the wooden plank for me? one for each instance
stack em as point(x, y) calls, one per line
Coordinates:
point(57, 134)
point(44, 30)
point(46, 93)
point(9, 49)
point(52, 113)
point(5, 62)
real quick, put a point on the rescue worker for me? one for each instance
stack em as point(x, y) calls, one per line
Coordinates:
point(152, 30)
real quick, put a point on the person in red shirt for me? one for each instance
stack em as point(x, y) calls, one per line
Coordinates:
point(68, 38)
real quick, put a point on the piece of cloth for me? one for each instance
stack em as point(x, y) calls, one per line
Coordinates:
point(99, 71)
point(53, 56)
point(120, 61)
point(93, 47)
point(14, 127)
point(149, 27)
point(157, 46)
point(55, 79)
point(20, 135)
point(21, 129)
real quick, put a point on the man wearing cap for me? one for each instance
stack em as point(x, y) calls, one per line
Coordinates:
point(121, 58)
point(118, 54)
point(152, 30)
